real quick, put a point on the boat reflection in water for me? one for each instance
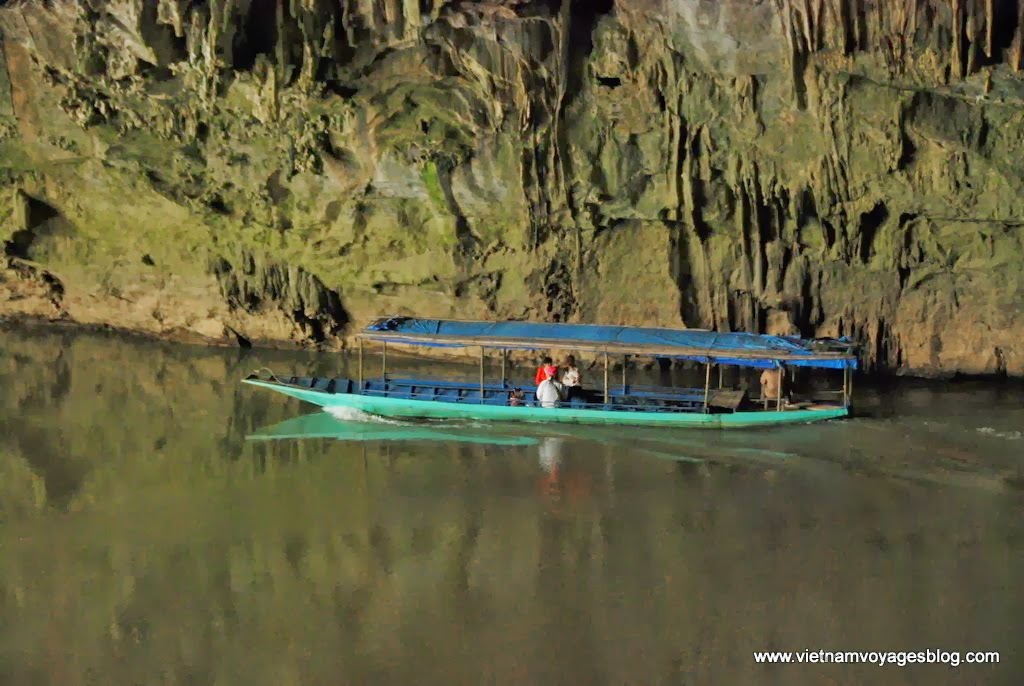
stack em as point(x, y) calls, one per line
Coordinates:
point(359, 427)
point(550, 457)
point(565, 485)
point(555, 482)
point(551, 454)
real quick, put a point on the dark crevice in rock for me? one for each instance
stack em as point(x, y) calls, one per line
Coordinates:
point(609, 81)
point(800, 63)
point(243, 342)
point(217, 204)
point(160, 38)
point(805, 208)
point(983, 132)
point(763, 224)
point(906, 226)
point(908, 151)
point(698, 193)
point(1000, 365)
point(660, 99)
point(259, 35)
point(806, 320)
point(680, 270)
point(558, 292)
point(464, 234)
point(39, 212)
point(278, 192)
point(254, 285)
point(679, 169)
point(153, 72)
point(582, 17)
point(870, 222)
point(1005, 29)
point(340, 88)
point(19, 244)
point(40, 218)
point(829, 233)
point(52, 285)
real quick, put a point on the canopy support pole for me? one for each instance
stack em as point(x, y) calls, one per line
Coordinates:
point(606, 377)
point(707, 385)
point(384, 362)
point(625, 359)
point(360, 364)
point(850, 392)
point(778, 393)
point(481, 375)
point(721, 377)
point(504, 357)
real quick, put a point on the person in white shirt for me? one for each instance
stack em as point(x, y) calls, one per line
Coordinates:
point(571, 379)
point(549, 393)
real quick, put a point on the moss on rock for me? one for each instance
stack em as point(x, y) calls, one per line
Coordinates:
point(779, 166)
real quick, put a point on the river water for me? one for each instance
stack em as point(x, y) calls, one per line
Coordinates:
point(161, 523)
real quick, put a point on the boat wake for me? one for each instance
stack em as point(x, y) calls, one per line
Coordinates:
point(1007, 435)
point(351, 414)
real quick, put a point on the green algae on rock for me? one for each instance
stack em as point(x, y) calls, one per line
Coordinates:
point(275, 171)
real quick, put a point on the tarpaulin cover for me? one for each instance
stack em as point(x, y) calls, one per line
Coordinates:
point(725, 348)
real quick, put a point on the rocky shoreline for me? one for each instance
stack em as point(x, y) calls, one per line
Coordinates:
point(22, 324)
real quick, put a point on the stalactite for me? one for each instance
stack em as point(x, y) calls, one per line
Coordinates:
point(786, 16)
point(171, 12)
point(658, 138)
point(1017, 46)
point(990, 16)
point(808, 34)
point(955, 59)
point(860, 31)
point(972, 45)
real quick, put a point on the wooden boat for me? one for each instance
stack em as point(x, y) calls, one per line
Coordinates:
point(623, 404)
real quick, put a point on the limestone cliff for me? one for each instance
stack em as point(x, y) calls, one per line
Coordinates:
point(276, 169)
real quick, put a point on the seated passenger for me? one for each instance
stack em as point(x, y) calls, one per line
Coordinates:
point(771, 386)
point(549, 393)
point(571, 379)
point(547, 370)
point(516, 398)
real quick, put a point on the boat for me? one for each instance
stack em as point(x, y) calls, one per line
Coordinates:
point(617, 404)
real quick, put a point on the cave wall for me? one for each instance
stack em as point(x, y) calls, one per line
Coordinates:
point(261, 170)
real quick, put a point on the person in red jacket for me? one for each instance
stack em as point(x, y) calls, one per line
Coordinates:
point(547, 370)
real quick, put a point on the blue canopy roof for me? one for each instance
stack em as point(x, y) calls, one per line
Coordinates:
point(752, 350)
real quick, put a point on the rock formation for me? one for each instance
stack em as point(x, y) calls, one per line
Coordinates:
point(274, 170)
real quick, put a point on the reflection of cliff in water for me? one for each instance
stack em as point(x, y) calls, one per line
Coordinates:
point(427, 570)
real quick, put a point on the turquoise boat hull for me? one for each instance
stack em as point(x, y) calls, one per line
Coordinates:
point(428, 409)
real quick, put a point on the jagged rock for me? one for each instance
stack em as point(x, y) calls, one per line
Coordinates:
point(822, 167)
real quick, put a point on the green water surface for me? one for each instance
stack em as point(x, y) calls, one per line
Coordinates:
point(161, 523)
